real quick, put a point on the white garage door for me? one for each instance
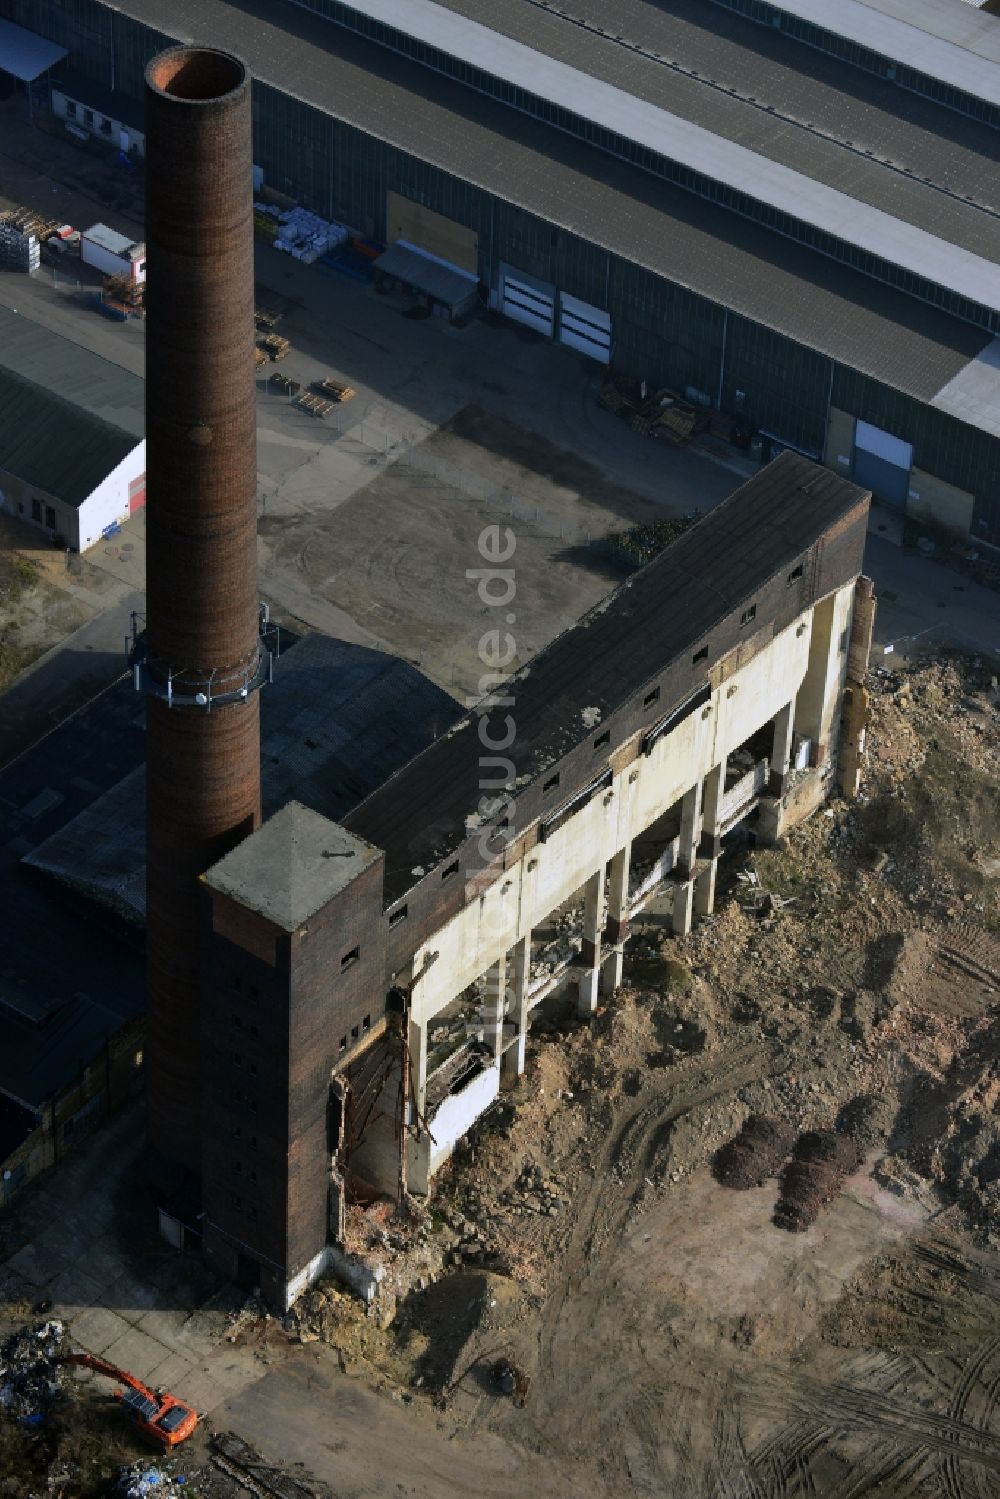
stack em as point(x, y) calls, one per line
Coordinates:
point(528, 301)
point(882, 464)
point(883, 445)
point(585, 328)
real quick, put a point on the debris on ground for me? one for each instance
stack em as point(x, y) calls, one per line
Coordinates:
point(150, 1480)
point(30, 1371)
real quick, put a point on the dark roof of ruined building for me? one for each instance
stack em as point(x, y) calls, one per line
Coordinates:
point(659, 616)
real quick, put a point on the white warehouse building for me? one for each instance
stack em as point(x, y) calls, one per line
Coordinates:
point(92, 475)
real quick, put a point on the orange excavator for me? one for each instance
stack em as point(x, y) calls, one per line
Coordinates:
point(161, 1417)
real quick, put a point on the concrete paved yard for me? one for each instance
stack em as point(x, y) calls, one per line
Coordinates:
point(86, 1242)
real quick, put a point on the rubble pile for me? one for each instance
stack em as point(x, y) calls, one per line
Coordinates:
point(30, 1372)
point(756, 1154)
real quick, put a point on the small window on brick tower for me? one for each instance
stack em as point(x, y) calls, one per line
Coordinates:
point(350, 958)
point(343, 1043)
point(252, 1213)
point(237, 1201)
point(366, 1024)
point(355, 1032)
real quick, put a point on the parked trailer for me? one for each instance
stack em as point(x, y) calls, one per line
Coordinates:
point(112, 253)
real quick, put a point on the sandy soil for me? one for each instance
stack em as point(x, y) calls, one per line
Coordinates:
point(44, 595)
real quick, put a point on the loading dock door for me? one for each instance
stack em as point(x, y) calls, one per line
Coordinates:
point(882, 463)
point(585, 328)
point(527, 301)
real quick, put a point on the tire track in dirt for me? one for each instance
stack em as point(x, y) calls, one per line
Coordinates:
point(968, 1380)
point(587, 1294)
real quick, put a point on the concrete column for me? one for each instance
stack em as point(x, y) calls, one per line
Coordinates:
point(711, 829)
point(687, 851)
point(616, 931)
point(781, 752)
point(683, 908)
point(590, 952)
point(495, 1005)
point(690, 811)
point(520, 964)
point(704, 888)
point(418, 1064)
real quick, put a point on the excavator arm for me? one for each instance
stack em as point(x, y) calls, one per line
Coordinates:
point(100, 1366)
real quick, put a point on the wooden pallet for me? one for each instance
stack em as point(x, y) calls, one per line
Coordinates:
point(315, 405)
point(612, 400)
point(334, 389)
point(259, 357)
point(282, 382)
point(264, 321)
point(275, 347)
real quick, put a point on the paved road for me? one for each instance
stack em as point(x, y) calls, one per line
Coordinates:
point(923, 602)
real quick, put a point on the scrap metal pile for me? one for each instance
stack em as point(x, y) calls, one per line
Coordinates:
point(30, 1370)
point(148, 1480)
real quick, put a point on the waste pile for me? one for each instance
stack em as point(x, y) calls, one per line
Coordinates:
point(30, 1372)
point(757, 1153)
point(813, 1177)
point(139, 1480)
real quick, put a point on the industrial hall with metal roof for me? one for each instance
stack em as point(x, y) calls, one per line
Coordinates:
point(788, 212)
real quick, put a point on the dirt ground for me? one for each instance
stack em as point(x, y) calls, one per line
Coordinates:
point(43, 595)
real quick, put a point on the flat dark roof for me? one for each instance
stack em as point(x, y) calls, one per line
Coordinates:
point(818, 302)
point(654, 619)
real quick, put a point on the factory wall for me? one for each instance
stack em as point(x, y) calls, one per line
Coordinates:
point(661, 332)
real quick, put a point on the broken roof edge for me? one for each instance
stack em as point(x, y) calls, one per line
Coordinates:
point(856, 499)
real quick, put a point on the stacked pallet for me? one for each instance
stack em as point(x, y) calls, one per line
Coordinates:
point(334, 389)
point(129, 293)
point(264, 321)
point(20, 240)
point(314, 404)
point(282, 382)
point(274, 346)
point(613, 400)
point(259, 357)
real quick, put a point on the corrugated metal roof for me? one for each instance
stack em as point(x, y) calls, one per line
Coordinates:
point(658, 617)
point(872, 328)
point(54, 446)
point(940, 38)
point(974, 393)
point(787, 190)
point(814, 113)
point(24, 54)
point(77, 374)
